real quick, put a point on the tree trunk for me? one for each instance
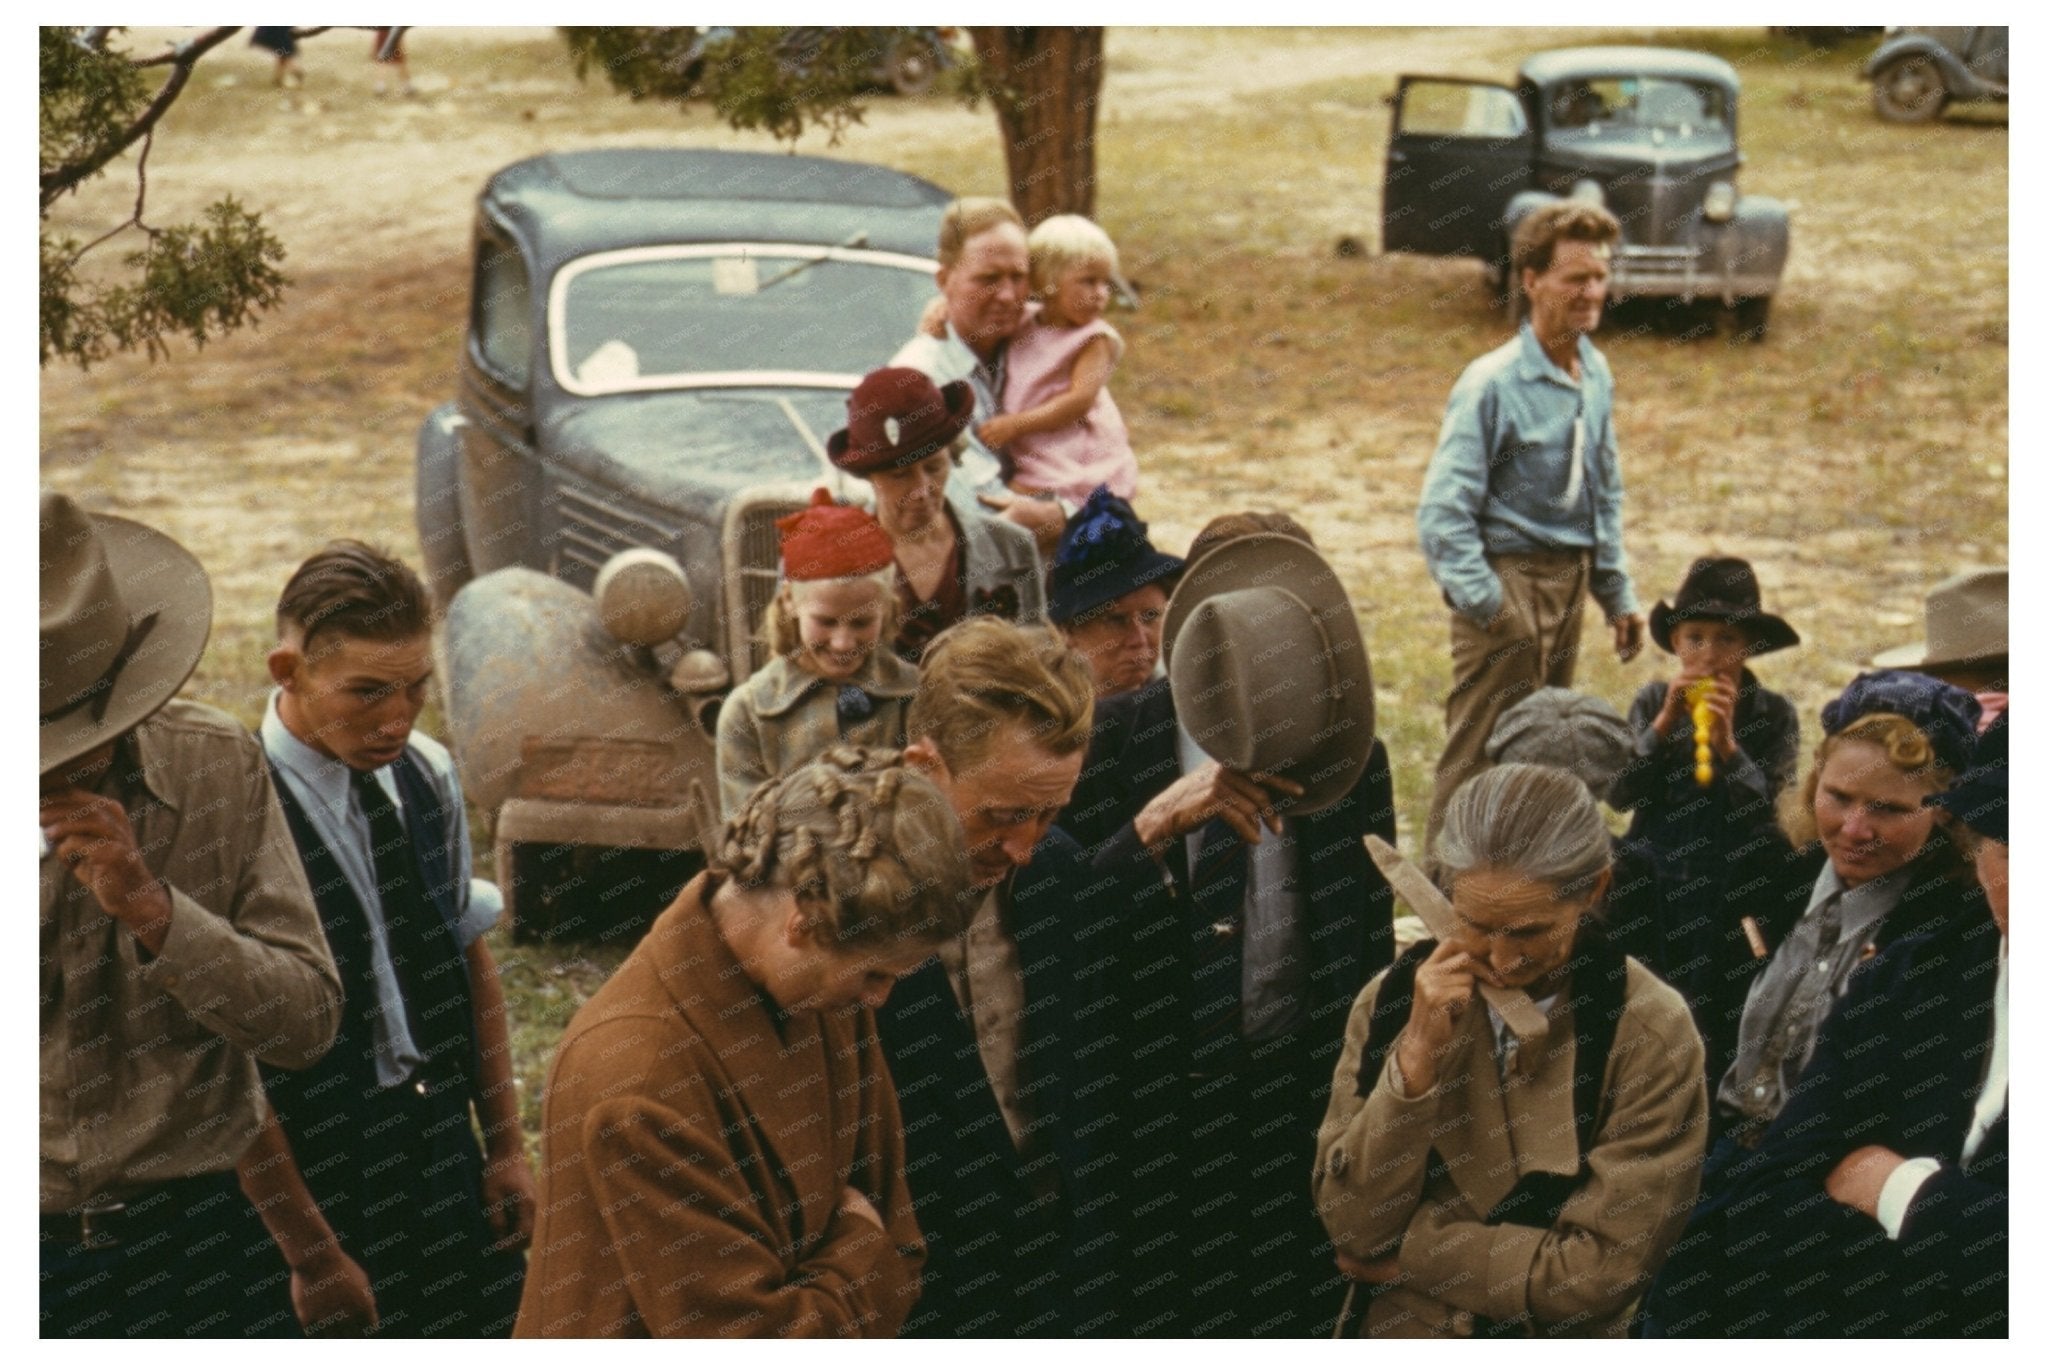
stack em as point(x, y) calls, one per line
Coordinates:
point(1046, 84)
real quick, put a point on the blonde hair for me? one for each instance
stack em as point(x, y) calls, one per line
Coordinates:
point(1905, 747)
point(779, 629)
point(965, 219)
point(1062, 242)
point(870, 848)
point(985, 673)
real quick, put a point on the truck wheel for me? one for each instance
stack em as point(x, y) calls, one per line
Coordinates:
point(1750, 318)
point(1910, 90)
point(913, 65)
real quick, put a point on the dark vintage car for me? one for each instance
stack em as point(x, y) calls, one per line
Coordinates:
point(1648, 131)
point(659, 344)
point(1918, 72)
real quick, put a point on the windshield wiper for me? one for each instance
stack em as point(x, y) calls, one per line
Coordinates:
point(859, 239)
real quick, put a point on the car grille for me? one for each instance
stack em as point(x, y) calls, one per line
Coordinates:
point(1640, 269)
point(593, 529)
point(753, 552)
point(1656, 260)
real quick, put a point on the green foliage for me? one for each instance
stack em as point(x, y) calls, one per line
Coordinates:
point(783, 81)
point(643, 63)
point(187, 280)
point(197, 280)
point(88, 97)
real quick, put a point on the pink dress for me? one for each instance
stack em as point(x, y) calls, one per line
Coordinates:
point(1070, 460)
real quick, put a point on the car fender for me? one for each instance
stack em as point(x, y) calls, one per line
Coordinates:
point(549, 713)
point(437, 503)
point(1755, 243)
point(1961, 84)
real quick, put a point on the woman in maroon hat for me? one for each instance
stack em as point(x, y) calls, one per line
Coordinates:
point(827, 684)
point(901, 435)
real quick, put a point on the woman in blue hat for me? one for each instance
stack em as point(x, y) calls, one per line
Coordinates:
point(1876, 1205)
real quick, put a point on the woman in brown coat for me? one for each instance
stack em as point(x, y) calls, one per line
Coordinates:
point(723, 1154)
point(1479, 1183)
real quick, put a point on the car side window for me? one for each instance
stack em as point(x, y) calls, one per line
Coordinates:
point(504, 311)
point(1459, 109)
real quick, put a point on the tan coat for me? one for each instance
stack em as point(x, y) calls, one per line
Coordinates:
point(1580, 1277)
point(693, 1160)
point(783, 717)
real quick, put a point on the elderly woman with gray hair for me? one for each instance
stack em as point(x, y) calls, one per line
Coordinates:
point(1481, 1181)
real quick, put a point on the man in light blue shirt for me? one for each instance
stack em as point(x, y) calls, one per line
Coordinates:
point(1521, 508)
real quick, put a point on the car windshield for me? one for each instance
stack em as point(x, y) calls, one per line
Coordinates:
point(732, 313)
point(1634, 107)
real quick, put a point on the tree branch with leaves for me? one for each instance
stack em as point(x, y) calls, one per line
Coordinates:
point(196, 280)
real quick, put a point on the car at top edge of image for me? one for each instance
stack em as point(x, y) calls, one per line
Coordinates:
point(659, 343)
point(1648, 132)
point(1918, 72)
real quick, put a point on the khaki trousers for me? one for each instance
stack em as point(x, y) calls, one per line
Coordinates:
point(1534, 644)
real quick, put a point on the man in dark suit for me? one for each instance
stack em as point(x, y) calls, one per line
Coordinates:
point(1233, 918)
point(981, 1040)
point(1876, 1203)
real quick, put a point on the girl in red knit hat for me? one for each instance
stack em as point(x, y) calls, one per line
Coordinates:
point(828, 683)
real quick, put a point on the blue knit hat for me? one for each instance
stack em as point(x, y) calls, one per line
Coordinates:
point(1947, 715)
point(1978, 798)
point(1103, 554)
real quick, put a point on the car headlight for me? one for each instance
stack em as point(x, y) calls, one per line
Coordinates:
point(1589, 192)
point(1719, 206)
point(642, 596)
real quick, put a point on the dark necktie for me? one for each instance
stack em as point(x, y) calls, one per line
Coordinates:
point(435, 1001)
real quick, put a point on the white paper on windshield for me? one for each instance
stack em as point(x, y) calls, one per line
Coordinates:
point(734, 275)
point(615, 362)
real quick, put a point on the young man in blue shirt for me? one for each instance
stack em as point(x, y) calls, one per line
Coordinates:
point(370, 1177)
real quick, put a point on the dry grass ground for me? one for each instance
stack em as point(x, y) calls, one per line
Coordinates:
point(1854, 458)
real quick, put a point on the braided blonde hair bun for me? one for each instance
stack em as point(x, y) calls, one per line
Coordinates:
point(870, 848)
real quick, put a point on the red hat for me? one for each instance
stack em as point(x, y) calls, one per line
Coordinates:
point(896, 418)
point(826, 540)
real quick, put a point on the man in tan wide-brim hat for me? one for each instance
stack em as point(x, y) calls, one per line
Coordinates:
point(1965, 642)
point(179, 947)
point(1225, 806)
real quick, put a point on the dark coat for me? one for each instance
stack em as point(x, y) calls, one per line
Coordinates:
point(1212, 1140)
point(1695, 838)
point(999, 1259)
point(1131, 759)
point(1772, 882)
point(1899, 1065)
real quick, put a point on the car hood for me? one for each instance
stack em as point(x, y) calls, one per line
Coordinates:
point(1641, 157)
point(1655, 190)
point(683, 449)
